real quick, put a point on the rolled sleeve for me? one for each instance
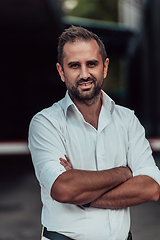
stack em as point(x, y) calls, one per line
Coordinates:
point(46, 145)
point(139, 155)
point(151, 171)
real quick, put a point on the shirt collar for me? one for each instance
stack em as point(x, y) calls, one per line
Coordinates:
point(107, 103)
point(66, 103)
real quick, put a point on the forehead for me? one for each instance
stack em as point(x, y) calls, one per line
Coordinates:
point(81, 50)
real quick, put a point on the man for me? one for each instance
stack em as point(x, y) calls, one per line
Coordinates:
point(91, 157)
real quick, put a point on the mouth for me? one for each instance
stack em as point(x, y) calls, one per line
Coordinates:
point(86, 85)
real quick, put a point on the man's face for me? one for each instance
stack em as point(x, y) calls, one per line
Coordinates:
point(83, 70)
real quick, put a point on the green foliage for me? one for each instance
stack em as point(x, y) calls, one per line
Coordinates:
point(96, 9)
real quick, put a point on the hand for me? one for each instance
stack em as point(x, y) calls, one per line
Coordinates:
point(66, 163)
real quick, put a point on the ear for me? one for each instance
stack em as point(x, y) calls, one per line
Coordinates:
point(106, 67)
point(60, 71)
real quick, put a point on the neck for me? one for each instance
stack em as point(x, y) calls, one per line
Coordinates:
point(90, 110)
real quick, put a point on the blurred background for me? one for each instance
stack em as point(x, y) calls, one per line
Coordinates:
point(29, 82)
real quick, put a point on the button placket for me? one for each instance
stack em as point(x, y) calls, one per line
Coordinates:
point(100, 152)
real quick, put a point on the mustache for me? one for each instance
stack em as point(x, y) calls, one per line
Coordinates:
point(93, 79)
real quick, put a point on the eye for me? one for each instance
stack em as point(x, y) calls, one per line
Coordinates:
point(74, 65)
point(92, 64)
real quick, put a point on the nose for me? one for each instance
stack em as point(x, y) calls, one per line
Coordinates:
point(84, 73)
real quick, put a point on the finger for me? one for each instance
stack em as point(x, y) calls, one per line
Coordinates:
point(67, 168)
point(64, 165)
point(70, 165)
point(67, 158)
point(68, 161)
point(63, 162)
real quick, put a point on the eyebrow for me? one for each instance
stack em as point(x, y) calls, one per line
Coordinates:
point(77, 62)
point(73, 62)
point(93, 61)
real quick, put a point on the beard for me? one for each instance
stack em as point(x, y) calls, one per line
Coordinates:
point(86, 96)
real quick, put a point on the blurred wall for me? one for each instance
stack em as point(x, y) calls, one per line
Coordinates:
point(144, 71)
point(29, 79)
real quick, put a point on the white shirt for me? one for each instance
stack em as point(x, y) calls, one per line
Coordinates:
point(119, 140)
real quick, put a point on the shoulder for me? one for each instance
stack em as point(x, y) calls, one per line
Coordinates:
point(123, 116)
point(127, 119)
point(123, 112)
point(49, 117)
point(117, 111)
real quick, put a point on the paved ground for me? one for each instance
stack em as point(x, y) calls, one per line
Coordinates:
point(19, 201)
point(20, 205)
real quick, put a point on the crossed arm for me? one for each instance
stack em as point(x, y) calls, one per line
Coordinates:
point(113, 189)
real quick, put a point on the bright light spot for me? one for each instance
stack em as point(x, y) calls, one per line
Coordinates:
point(70, 4)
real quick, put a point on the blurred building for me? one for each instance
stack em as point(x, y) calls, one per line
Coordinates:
point(131, 13)
point(144, 66)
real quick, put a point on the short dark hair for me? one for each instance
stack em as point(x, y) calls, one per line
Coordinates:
point(74, 33)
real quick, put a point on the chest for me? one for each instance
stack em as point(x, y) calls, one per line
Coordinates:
point(89, 149)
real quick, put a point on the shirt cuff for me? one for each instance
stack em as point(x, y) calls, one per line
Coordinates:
point(50, 174)
point(152, 172)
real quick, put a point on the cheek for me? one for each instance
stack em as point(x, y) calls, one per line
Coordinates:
point(100, 75)
point(69, 80)
point(72, 76)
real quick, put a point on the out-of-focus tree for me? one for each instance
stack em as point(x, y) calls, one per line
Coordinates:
point(94, 9)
